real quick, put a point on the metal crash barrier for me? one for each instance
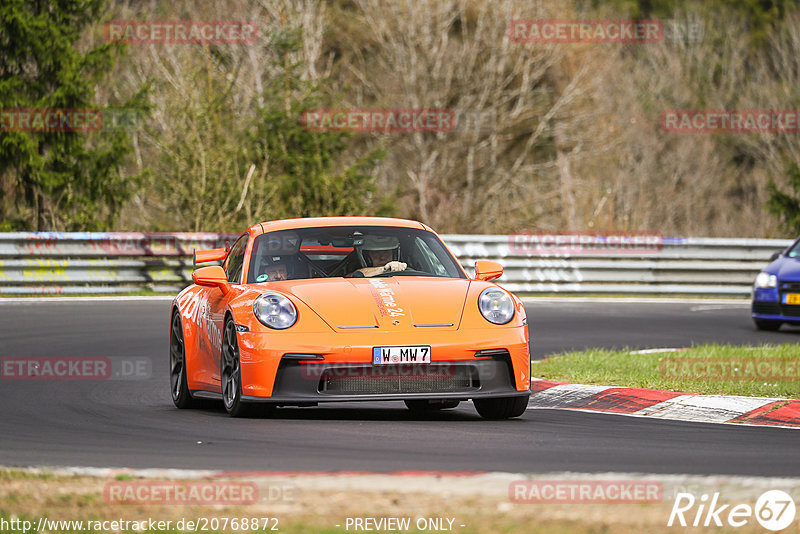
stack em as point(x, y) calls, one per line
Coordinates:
point(113, 262)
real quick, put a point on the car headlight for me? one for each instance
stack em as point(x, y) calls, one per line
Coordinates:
point(766, 281)
point(275, 311)
point(496, 305)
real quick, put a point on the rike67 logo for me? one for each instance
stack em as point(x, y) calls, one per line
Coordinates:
point(774, 510)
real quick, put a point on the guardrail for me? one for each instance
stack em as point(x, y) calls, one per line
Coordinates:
point(107, 263)
point(686, 266)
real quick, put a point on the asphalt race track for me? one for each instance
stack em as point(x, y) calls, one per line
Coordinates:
point(132, 423)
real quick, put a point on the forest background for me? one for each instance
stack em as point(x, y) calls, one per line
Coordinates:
point(550, 136)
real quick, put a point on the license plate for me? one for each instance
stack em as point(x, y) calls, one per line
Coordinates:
point(791, 298)
point(397, 355)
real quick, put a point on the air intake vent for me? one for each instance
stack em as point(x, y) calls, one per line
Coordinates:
point(398, 379)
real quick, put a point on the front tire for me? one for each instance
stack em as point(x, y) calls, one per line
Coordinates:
point(231, 373)
point(769, 326)
point(501, 407)
point(181, 396)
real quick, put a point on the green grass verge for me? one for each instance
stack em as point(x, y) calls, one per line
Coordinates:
point(761, 371)
point(7, 475)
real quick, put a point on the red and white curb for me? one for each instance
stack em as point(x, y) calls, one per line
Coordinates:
point(659, 404)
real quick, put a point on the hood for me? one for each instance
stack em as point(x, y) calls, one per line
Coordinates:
point(396, 302)
point(787, 269)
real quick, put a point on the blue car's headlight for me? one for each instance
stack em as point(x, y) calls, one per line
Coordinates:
point(766, 281)
point(496, 305)
point(275, 311)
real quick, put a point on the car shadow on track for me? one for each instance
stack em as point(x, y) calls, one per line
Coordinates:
point(338, 412)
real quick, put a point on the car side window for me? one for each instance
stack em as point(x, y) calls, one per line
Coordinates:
point(235, 262)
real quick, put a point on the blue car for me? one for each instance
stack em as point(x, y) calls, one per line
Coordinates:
point(776, 292)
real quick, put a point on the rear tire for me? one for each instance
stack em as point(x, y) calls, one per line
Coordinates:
point(181, 396)
point(501, 407)
point(424, 405)
point(769, 326)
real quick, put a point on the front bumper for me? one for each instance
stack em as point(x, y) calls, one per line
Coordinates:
point(312, 382)
point(768, 305)
point(307, 368)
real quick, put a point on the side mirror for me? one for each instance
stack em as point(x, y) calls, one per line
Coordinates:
point(775, 255)
point(212, 276)
point(487, 270)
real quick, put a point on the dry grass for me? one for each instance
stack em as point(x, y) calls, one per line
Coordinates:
point(554, 136)
point(318, 503)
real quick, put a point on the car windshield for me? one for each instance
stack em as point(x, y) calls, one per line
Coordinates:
point(348, 251)
point(794, 252)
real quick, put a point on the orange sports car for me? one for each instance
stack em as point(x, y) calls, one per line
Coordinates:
point(303, 311)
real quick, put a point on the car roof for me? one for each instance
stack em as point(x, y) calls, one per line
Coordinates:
point(310, 222)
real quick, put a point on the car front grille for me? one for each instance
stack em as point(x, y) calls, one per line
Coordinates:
point(787, 310)
point(766, 308)
point(790, 311)
point(399, 379)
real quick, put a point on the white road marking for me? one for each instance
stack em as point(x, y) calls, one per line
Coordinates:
point(565, 394)
point(707, 408)
point(717, 307)
point(657, 351)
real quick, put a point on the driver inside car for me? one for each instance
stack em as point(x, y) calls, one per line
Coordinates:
point(273, 272)
point(276, 272)
point(381, 252)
